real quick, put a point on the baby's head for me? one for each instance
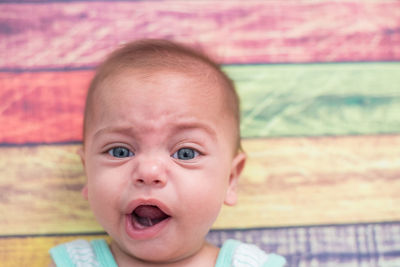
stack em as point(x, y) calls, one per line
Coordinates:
point(154, 56)
point(161, 150)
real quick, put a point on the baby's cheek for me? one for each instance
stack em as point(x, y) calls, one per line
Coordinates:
point(105, 211)
point(204, 208)
point(103, 199)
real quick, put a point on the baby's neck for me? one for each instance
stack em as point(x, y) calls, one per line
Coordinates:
point(205, 257)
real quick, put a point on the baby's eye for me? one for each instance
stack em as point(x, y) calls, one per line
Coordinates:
point(120, 152)
point(185, 154)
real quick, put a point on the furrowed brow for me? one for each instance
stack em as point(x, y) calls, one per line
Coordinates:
point(195, 125)
point(114, 129)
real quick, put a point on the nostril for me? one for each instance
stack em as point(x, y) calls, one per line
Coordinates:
point(150, 182)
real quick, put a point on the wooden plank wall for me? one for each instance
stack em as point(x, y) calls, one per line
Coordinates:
point(319, 83)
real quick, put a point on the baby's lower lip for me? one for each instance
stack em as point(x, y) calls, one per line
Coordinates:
point(138, 231)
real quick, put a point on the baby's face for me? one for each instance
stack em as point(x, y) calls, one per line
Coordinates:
point(160, 161)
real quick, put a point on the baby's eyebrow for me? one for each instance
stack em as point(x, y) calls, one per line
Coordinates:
point(194, 125)
point(113, 129)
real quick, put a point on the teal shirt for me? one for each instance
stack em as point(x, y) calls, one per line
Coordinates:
point(97, 254)
point(235, 253)
point(82, 253)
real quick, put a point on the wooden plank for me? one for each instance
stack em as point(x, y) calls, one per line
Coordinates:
point(288, 181)
point(32, 251)
point(318, 99)
point(42, 107)
point(79, 34)
point(40, 191)
point(328, 246)
point(327, 180)
point(277, 100)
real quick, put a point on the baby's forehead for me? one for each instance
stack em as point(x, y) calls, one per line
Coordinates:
point(197, 82)
point(163, 96)
point(158, 89)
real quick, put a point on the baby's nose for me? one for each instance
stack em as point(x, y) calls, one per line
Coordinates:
point(150, 171)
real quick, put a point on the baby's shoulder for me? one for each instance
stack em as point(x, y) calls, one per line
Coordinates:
point(235, 253)
point(82, 253)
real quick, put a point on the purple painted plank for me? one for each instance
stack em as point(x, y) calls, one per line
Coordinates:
point(362, 245)
point(79, 34)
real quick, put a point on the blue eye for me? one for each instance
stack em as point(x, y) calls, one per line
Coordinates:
point(120, 152)
point(185, 154)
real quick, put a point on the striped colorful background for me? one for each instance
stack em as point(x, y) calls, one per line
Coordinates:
point(320, 89)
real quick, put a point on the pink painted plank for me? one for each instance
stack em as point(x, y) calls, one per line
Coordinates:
point(43, 107)
point(79, 34)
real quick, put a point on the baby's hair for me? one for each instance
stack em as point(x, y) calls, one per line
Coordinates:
point(152, 55)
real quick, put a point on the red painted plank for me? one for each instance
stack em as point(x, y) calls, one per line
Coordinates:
point(42, 107)
point(79, 34)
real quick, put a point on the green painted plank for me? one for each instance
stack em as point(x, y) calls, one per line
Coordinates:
point(318, 99)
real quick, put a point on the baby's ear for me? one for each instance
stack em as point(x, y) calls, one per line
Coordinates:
point(84, 192)
point(237, 167)
point(81, 154)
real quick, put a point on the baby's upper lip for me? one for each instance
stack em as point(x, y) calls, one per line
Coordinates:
point(149, 202)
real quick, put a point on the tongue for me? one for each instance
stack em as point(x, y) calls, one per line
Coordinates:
point(151, 212)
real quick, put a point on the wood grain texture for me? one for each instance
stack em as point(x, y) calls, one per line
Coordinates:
point(32, 251)
point(79, 34)
point(42, 107)
point(318, 99)
point(288, 181)
point(277, 100)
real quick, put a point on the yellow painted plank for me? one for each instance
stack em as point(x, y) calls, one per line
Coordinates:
point(327, 180)
point(40, 191)
point(288, 181)
point(32, 251)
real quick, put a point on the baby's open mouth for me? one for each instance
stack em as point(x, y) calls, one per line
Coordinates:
point(148, 215)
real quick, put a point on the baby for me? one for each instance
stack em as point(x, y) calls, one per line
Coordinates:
point(161, 153)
